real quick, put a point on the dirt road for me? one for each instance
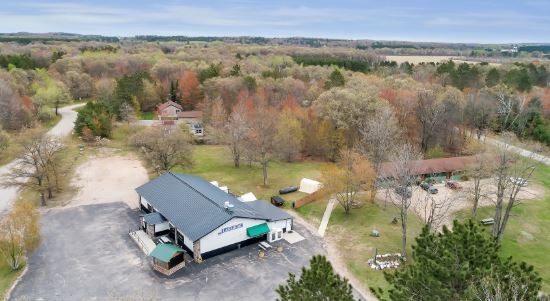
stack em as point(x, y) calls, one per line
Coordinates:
point(61, 129)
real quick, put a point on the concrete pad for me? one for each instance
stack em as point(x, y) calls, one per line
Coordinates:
point(292, 237)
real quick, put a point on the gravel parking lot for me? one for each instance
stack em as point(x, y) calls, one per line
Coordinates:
point(87, 254)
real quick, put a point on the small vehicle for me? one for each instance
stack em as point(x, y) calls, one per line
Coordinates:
point(277, 200)
point(487, 221)
point(521, 182)
point(288, 189)
point(429, 188)
point(404, 191)
point(453, 185)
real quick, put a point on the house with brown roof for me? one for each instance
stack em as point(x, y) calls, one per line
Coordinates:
point(171, 113)
point(440, 167)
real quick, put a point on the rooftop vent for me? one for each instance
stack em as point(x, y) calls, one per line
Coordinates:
point(228, 205)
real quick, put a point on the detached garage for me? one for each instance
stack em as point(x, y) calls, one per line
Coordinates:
point(204, 220)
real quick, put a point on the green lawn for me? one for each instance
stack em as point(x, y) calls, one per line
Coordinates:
point(214, 163)
point(147, 116)
point(351, 233)
point(7, 276)
point(527, 235)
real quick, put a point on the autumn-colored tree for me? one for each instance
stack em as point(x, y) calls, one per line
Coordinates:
point(289, 136)
point(19, 233)
point(353, 173)
point(190, 91)
point(329, 140)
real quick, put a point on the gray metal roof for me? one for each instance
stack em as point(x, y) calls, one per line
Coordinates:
point(192, 204)
point(153, 218)
point(269, 211)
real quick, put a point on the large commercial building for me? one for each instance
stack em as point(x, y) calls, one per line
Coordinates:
point(204, 220)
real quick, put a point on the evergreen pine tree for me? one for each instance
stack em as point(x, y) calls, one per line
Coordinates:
point(336, 79)
point(453, 264)
point(318, 282)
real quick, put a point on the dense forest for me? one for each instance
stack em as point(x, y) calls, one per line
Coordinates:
point(332, 94)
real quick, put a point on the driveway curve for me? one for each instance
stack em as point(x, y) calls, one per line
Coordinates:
point(63, 128)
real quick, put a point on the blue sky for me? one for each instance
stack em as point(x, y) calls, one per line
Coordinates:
point(486, 21)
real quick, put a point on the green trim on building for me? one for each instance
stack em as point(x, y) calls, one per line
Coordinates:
point(165, 252)
point(257, 230)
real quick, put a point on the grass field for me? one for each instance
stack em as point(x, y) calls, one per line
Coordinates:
point(527, 235)
point(147, 116)
point(351, 233)
point(214, 163)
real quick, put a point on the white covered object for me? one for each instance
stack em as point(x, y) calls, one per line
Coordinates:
point(215, 183)
point(247, 197)
point(309, 185)
point(225, 189)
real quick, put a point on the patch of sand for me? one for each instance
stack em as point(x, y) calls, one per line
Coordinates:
point(108, 179)
point(462, 199)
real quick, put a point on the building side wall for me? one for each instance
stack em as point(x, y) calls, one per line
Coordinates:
point(215, 240)
point(162, 227)
point(169, 111)
point(278, 224)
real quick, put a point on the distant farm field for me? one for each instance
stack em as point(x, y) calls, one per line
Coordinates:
point(417, 59)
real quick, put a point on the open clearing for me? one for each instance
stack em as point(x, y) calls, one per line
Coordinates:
point(417, 59)
point(108, 178)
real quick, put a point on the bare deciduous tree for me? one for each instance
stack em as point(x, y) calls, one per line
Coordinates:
point(510, 172)
point(378, 134)
point(237, 129)
point(434, 211)
point(479, 189)
point(37, 165)
point(164, 148)
point(260, 137)
point(401, 178)
point(429, 112)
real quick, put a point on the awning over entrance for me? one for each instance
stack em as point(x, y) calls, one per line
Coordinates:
point(153, 218)
point(257, 230)
point(165, 252)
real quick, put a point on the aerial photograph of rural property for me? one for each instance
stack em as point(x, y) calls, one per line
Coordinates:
point(289, 150)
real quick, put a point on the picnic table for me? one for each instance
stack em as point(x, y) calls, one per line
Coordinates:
point(264, 245)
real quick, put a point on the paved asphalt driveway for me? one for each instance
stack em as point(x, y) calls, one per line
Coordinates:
point(87, 254)
point(63, 128)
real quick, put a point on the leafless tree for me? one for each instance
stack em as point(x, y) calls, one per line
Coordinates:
point(37, 165)
point(479, 172)
point(401, 178)
point(509, 173)
point(502, 288)
point(434, 211)
point(127, 113)
point(378, 134)
point(429, 112)
point(236, 129)
point(260, 137)
point(164, 148)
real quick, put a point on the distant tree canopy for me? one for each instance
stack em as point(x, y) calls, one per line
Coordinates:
point(23, 61)
point(461, 264)
point(350, 64)
point(212, 71)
